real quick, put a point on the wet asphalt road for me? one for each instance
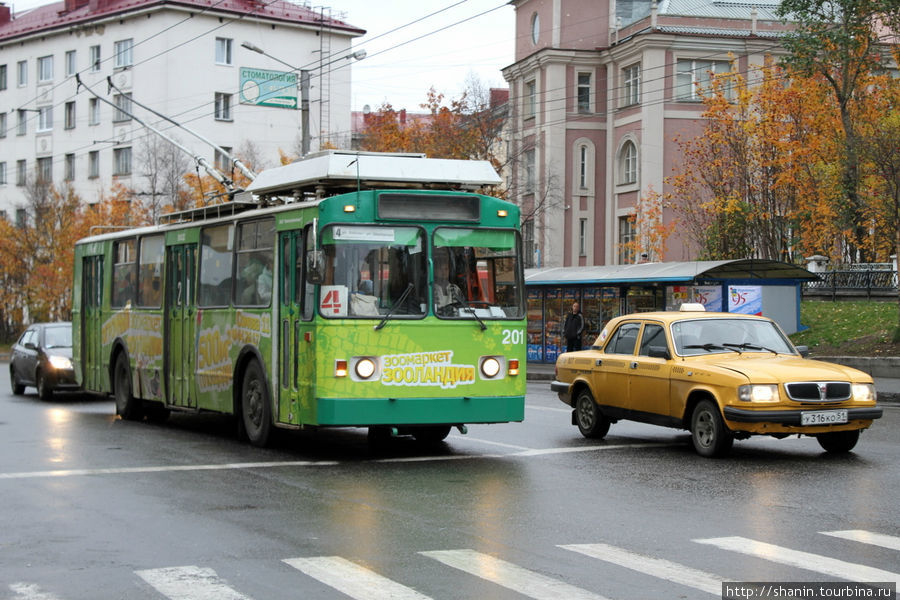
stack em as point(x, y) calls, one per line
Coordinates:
point(92, 507)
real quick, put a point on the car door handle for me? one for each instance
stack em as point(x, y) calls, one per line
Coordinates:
point(634, 364)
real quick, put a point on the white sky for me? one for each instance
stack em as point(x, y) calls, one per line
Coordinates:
point(399, 68)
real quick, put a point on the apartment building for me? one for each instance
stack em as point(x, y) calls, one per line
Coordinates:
point(598, 93)
point(184, 59)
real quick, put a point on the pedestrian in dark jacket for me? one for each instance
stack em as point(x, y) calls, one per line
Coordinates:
point(573, 328)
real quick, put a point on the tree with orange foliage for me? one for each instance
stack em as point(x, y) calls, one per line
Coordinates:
point(651, 232)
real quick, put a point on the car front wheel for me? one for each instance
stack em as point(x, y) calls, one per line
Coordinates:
point(591, 422)
point(710, 436)
point(838, 442)
point(45, 390)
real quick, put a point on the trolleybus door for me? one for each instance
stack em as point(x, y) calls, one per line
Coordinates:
point(295, 355)
point(92, 369)
point(180, 353)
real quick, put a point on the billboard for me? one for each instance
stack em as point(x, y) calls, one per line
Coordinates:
point(268, 88)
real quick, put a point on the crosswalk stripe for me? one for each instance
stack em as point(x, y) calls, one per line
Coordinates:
point(867, 537)
point(30, 591)
point(352, 579)
point(510, 576)
point(190, 583)
point(655, 567)
point(804, 560)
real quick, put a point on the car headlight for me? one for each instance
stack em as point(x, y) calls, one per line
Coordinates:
point(490, 366)
point(758, 393)
point(863, 392)
point(365, 368)
point(61, 363)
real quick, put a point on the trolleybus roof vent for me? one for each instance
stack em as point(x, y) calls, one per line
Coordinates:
point(208, 212)
point(337, 171)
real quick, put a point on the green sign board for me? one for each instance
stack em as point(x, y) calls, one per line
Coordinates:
point(268, 88)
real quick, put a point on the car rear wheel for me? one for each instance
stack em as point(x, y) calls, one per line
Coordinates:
point(18, 388)
point(838, 442)
point(44, 389)
point(591, 422)
point(710, 436)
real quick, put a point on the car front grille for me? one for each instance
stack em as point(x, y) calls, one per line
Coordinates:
point(818, 391)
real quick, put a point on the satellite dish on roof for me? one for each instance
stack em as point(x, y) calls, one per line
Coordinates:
point(366, 109)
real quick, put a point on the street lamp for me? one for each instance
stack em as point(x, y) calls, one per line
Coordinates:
point(304, 87)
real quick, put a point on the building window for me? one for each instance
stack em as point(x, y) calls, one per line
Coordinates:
point(529, 171)
point(2, 77)
point(123, 107)
point(584, 93)
point(94, 164)
point(45, 169)
point(21, 122)
point(22, 68)
point(631, 85)
point(535, 28)
point(45, 68)
point(221, 161)
point(21, 165)
point(123, 52)
point(530, 99)
point(93, 111)
point(223, 51)
point(21, 218)
point(2, 125)
point(70, 167)
point(528, 244)
point(95, 59)
point(695, 76)
point(223, 106)
point(71, 64)
point(583, 167)
point(70, 115)
point(122, 161)
point(45, 118)
point(626, 237)
point(2, 173)
point(628, 164)
point(582, 237)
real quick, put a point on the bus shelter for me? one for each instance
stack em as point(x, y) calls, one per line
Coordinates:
point(753, 286)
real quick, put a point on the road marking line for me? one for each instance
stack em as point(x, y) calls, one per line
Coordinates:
point(590, 448)
point(352, 579)
point(804, 560)
point(190, 583)
point(656, 567)
point(164, 469)
point(549, 408)
point(867, 537)
point(466, 438)
point(510, 576)
point(30, 591)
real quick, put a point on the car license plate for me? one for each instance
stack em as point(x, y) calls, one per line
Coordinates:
point(823, 417)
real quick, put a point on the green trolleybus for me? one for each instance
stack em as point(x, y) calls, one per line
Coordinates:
point(364, 290)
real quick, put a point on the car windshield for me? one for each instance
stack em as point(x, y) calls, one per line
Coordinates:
point(705, 336)
point(58, 337)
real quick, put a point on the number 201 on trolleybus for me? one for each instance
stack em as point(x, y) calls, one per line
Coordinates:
point(362, 290)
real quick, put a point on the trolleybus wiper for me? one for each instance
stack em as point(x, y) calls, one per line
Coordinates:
point(409, 288)
point(467, 306)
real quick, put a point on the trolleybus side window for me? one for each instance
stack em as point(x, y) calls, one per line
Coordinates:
point(308, 290)
point(123, 273)
point(372, 271)
point(254, 263)
point(215, 265)
point(150, 272)
point(476, 274)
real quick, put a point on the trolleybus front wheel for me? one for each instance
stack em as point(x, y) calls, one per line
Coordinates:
point(127, 406)
point(256, 413)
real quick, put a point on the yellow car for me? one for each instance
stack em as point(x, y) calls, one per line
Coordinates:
point(722, 376)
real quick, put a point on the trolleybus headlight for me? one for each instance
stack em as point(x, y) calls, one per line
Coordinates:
point(490, 366)
point(513, 366)
point(365, 368)
point(340, 368)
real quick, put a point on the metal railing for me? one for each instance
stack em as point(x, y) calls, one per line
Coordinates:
point(854, 282)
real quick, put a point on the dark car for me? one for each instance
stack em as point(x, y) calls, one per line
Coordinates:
point(42, 358)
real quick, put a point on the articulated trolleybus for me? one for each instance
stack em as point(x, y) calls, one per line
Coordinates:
point(357, 290)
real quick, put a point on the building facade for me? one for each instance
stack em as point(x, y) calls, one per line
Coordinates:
point(185, 60)
point(598, 93)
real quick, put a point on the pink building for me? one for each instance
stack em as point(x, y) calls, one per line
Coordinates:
point(598, 92)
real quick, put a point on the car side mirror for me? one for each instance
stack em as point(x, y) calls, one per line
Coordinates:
point(30, 345)
point(804, 351)
point(315, 266)
point(659, 352)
